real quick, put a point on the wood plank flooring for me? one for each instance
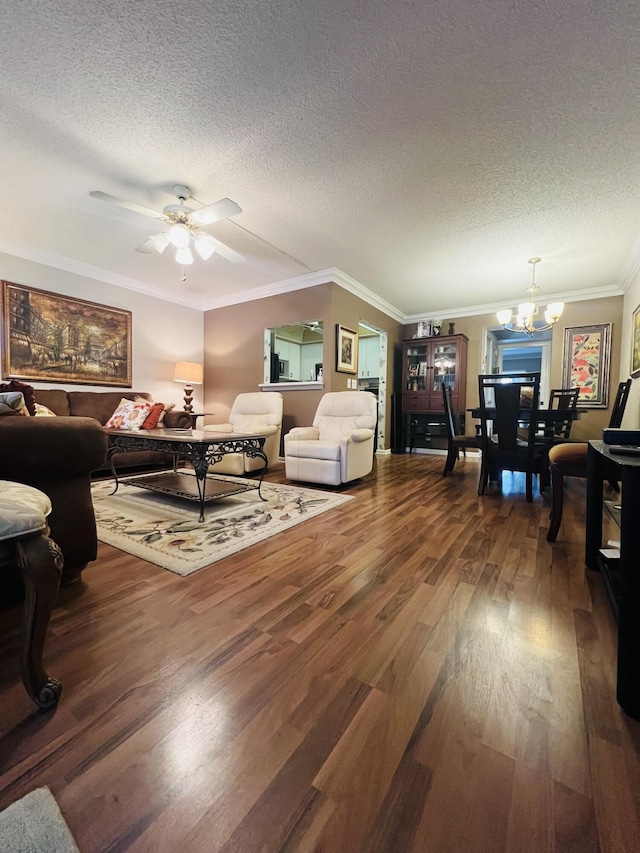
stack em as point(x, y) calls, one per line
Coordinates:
point(416, 671)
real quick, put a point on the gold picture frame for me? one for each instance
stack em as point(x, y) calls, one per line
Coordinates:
point(635, 344)
point(346, 350)
point(48, 337)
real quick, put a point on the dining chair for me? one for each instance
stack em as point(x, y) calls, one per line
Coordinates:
point(570, 460)
point(455, 443)
point(505, 445)
point(561, 400)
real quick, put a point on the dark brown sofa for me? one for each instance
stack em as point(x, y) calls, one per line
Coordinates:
point(57, 456)
point(101, 405)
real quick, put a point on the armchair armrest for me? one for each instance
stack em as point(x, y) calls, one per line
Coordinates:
point(303, 434)
point(361, 435)
point(218, 428)
point(176, 420)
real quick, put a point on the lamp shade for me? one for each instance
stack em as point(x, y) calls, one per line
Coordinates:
point(188, 372)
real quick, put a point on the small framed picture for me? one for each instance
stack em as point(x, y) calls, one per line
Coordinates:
point(346, 350)
point(635, 344)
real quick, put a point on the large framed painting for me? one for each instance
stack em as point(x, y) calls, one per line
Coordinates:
point(52, 338)
point(346, 350)
point(585, 363)
point(635, 344)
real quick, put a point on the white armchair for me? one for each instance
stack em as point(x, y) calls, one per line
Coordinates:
point(253, 414)
point(338, 447)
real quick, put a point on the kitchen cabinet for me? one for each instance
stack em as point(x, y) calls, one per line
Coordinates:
point(310, 355)
point(369, 357)
point(289, 352)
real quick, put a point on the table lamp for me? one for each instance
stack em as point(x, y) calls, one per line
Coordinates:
point(191, 374)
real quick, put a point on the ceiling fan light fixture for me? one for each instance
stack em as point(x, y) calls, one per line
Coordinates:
point(179, 236)
point(160, 241)
point(184, 256)
point(205, 246)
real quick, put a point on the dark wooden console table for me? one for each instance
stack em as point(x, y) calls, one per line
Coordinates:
point(621, 577)
point(199, 448)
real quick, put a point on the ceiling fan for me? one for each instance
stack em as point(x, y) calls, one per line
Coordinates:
point(183, 226)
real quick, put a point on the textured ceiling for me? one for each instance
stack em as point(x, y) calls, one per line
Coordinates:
point(425, 149)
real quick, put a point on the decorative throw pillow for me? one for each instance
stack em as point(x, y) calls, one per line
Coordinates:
point(26, 390)
point(153, 417)
point(129, 415)
point(11, 403)
point(167, 408)
point(44, 411)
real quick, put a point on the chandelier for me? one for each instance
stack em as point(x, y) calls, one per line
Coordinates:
point(524, 319)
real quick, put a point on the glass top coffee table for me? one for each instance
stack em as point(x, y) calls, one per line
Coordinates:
point(197, 447)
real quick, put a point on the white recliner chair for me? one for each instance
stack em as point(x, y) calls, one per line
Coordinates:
point(338, 447)
point(253, 414)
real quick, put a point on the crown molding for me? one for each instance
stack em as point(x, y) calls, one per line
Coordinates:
point(61, 262)
point(333, 275)
point(301, 282)
point(492, 307)
point(345, 281)
point(631, 267)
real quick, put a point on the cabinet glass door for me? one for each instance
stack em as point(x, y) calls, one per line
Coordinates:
point(444, 366)
point(416, 368)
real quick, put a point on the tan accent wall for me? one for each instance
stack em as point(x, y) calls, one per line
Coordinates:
point(234, 348)
point(584, 313)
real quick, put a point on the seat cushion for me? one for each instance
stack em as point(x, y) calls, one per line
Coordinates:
point(314, 449)
point(23, 509)
point(569, 454)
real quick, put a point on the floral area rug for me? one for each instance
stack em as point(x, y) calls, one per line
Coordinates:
point(165, 530)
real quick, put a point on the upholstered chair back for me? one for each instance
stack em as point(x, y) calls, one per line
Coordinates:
point(251, 412)
point(340, 413)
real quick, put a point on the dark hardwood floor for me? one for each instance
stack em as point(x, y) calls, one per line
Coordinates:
point(416, 671)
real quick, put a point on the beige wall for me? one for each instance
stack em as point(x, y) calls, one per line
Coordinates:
point(162, 332)
point(234, 347)
point(631, 302)
point(584, 313)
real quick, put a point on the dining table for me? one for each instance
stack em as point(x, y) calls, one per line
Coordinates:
point(546, 418)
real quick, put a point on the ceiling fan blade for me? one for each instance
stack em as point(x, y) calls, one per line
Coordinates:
point(222, 209)
point(128, 205)
point(230, 255)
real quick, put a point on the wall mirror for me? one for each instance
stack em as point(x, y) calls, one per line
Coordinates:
point(294, 352)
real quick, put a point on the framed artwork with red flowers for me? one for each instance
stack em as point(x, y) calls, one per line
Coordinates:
point(585, 363)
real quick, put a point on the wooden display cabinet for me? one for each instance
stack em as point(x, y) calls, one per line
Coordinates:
point(426, 364)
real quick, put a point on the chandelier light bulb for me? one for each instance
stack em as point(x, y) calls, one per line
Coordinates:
point(179, 236)
point(184, 256)
point(504, 316)
point(554, 311)
point(526, 310)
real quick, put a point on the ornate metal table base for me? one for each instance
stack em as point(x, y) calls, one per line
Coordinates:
point(201, 449)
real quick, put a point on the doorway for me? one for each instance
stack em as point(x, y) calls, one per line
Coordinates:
point(372, 371)
point(513, 352)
